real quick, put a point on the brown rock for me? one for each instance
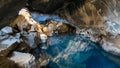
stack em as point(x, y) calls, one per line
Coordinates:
point(6, 63)
point(37, 40)
point(62, 28)
point(47, 31)
point(65, 28)
point(23, 47)
point(9, 50)
point(19, 23)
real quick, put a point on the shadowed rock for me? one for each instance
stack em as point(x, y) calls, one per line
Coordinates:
point(7, 63)
point(9, 10)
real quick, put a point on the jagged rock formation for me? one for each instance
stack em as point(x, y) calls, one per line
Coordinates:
point(24, 34)
point(98, 19)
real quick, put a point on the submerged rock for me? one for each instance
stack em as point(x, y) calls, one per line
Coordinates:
point(24, 60)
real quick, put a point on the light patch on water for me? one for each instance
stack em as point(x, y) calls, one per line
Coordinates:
point(74, 46)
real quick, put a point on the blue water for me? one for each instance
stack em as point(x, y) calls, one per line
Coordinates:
point(73, 51)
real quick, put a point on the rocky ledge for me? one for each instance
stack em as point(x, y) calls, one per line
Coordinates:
point(24, 34)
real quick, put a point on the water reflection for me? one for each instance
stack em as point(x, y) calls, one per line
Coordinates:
point(74, 51)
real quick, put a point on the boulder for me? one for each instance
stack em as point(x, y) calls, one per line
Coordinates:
point(7, 63)
point(6, 30)
point(6, 51)
point(47, 31)
point(24, 60)
point(65, 28)
point(23, 47)
point(25, 22)
point(29, 38)
point(111, 44)
point(43, 38)
point(8, 43)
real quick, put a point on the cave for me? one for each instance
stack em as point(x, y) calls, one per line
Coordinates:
point(59, 34)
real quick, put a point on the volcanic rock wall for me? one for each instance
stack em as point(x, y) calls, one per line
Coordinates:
point(9, 10)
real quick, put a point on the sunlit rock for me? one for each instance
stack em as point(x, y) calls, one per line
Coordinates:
point(43, 38)
point(46, 30)
point(25, 22)
point(25, 60)
point(25, 13)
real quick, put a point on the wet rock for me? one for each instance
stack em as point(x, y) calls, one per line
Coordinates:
point(24, 60)
point(28, 28)
point(44, 60)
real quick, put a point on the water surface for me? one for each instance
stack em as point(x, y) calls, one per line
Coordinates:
point(73, 51)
